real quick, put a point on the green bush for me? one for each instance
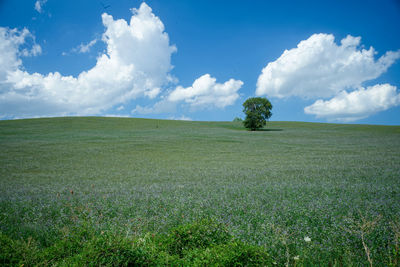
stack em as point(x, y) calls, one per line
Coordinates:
point(200, 235)
point(202, 243)
point(235, 253)
point(111, 250)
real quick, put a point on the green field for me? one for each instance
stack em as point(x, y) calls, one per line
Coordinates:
point(270, 188)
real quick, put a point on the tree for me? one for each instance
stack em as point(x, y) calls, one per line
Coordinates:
point(258, 111)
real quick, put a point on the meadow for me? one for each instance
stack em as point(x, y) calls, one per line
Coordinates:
point(304, 193)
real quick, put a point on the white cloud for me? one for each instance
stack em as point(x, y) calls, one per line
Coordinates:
point(82, 48)
point(39, 4)
point(85, 48)
point(318, 67)
point(163, 106)
point(181, 118)
point(359, 104)
point(116, 116)
point(34, 51)
point(10, 55)
point(136, 64)
point(206, 92)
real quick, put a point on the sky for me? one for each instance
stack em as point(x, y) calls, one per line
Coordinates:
point(316, 61)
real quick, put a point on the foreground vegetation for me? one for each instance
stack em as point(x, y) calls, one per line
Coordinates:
point(205, 243)
point(79, 189)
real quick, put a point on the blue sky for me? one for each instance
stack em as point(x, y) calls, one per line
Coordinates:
point(200, 60)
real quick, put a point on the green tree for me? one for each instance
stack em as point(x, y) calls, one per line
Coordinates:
point(258, 111)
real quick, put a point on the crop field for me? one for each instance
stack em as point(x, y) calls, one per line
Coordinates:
point(326, 194)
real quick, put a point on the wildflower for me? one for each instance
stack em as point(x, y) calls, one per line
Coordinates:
point(307, 239)
point(296, 258)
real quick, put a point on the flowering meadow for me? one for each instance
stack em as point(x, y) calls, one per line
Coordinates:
point(292, 194)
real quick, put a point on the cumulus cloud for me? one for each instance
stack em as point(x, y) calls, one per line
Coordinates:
point(39, 4)
point(136, 64)
point(320, 68)
point(359, 104)
point(12, 49)
point(205, 92)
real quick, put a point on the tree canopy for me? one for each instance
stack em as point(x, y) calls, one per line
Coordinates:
point(257, 111)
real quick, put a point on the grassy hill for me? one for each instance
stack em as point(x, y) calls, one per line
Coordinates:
point(270, 188)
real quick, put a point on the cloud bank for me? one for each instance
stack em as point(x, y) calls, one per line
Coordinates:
point(205, 93)
point(136, 64)
point(356, 105)
point(320, 68)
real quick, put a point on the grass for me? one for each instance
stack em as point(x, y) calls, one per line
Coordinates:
point(270, 188)
point(204, 243)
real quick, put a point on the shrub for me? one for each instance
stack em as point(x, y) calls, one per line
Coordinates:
point(235, 253)
point(112, 250)
point(202, 243)
point(200, 235)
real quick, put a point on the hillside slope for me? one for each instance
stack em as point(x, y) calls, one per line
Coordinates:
point(137, 175)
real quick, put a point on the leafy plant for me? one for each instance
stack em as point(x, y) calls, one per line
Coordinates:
point(205, 243)
point(200, 234)
point(234, 253)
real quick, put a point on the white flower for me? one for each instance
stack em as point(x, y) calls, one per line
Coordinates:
point(296, 258)
point(307, 239)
